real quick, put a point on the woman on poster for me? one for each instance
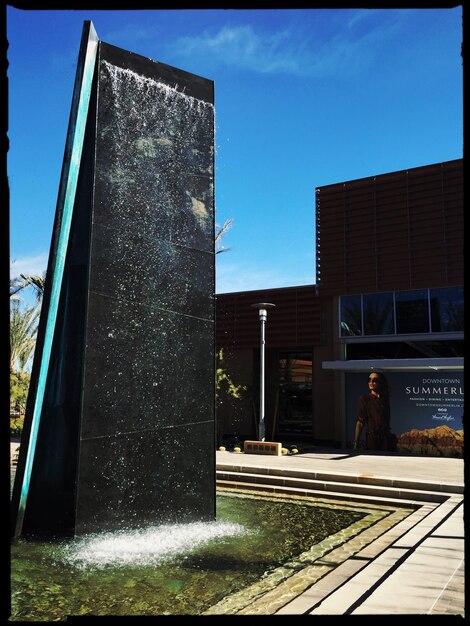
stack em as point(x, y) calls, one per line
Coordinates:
point(373, 413)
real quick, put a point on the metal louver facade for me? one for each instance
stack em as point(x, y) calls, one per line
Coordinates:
point(401, 230)
point(294, 322)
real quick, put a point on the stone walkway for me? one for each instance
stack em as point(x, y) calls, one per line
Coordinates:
point(413, 567)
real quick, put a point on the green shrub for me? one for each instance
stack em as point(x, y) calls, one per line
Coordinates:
point(19, 386)
point(16, 425)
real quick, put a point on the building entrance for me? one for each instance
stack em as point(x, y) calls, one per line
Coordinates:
point(294, 404)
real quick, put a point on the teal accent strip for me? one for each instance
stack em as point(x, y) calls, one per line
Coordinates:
point(77, 129)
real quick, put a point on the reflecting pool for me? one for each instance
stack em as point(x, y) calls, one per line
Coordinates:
point(188, 569)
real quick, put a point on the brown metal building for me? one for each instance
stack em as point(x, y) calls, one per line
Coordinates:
point(389, 244)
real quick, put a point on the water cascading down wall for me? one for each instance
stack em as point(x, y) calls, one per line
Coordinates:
point(119, 428)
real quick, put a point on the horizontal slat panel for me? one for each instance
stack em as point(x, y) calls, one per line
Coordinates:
point(403, 228)
point(238, 323)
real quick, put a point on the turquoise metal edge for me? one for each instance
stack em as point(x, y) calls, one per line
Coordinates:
point(73, 154)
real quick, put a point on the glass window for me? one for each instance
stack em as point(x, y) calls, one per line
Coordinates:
point(447, 312)
point(351, 322)
point(411, 310)
point(295, 393)
point(378, 314)
point(406, 313)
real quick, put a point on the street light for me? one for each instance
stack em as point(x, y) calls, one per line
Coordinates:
point(263, 314)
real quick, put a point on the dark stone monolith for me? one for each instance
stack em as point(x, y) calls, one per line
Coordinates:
point(119, 431)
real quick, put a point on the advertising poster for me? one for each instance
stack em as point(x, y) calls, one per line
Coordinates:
point(426, 410)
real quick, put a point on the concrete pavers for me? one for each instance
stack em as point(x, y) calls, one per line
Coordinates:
point(417, 584)
point(415, 567)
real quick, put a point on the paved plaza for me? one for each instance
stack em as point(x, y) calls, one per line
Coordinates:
point(401, 564)
point(415, 567)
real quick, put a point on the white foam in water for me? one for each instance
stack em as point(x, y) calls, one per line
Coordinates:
point(149, 546)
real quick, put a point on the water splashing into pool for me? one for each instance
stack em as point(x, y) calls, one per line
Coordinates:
point(149, 546)
point(173, 569)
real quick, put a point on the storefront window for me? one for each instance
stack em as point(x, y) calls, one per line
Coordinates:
point(295, 393)
point(351, 318)
point(378, 314)
point(411, 310)
point(402, 312)
point(447, 309)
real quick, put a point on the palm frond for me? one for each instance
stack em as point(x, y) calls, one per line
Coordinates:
point(37, 282)
point(23, 329)
point(220, 233)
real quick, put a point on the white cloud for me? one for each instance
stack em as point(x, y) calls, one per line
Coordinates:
point(351, 47)
point(241, 46)
point(33, 265)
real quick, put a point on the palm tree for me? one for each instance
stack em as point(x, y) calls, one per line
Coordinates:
point(23, 320)
point(23, 329)
point(23, 281)
point(16, 285)
point(35, 281)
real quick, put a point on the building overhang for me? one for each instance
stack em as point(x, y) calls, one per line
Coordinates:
point(452, 363)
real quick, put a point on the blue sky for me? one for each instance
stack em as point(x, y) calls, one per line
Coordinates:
point(303, 98)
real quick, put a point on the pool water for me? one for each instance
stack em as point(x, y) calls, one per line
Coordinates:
point(172, 570)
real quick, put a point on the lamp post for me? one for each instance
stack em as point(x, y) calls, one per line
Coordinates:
point(263, 314)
